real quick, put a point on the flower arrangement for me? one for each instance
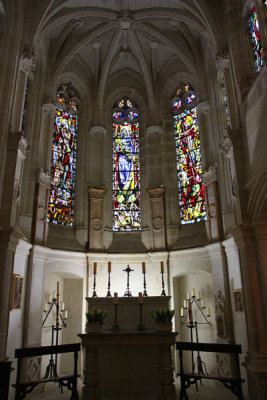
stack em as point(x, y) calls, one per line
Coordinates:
point(162, 315)
point(96, 317)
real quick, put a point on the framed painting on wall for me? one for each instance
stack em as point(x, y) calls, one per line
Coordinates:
point(238, 300)
point(16, 292)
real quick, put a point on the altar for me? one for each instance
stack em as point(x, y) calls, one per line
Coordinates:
point(128, 364)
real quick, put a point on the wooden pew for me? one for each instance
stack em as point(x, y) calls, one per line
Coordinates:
point(70, 381)
point(188, 379)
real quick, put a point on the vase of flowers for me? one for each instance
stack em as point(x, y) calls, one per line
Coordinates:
point(163, 319)
point(95, 321)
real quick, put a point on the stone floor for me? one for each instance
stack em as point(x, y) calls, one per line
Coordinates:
point(209, 391)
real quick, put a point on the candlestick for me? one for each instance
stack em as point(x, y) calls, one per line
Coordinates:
point(94, 284)
point(115, 298)
point(162, 282)
point(140, 298)
point(185, 304)
point(162, 267)
point(109, 271)
point(143, 267)
point(95, 267)
point(182, 312)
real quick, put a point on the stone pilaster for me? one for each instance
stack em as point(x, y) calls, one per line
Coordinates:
point(96, 218)
point(203, 113)
point(154, 155)
point(157, 196)
point(46, 135)
point(214, 225)
point(39, 222)
point(97, 159)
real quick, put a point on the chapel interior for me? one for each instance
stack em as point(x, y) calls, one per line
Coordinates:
point(133, 134)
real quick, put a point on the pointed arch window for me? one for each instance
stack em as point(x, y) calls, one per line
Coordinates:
point(126, 167)
point(63, 159)
point(188, 156)
point(255, 37)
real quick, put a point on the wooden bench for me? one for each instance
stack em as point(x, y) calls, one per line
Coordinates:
point(188, 379)
point(70, 381)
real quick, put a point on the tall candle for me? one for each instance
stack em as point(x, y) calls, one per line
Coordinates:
point(109, 266)
point(140, 298)
point(66, 314)
point(49, 298)
point(62, 306)
point(182, 312)
point(202, 303)
point(116, 298)
point(190, 313)
point(95, 267)
point(185, 304)
point(208, 311)
point(144, 267)
point(45, 307)
point(162, 267)
point(54, 294)
point(198, 295)
point(57, 288)
point(188, 295)
point(193, 292)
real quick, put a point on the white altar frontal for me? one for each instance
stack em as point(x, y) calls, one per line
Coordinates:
point(128, 364)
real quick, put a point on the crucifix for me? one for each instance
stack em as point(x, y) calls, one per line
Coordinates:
point(127, 291)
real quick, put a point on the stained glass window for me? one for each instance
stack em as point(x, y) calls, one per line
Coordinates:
point(254, 30)
point(63, 163)
point(126, 172)
point(188, 157)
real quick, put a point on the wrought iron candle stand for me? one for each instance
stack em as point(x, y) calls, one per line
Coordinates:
point(51, 369)
point(162, 282)
point(115, 326)
point(140, 326)
point(188, 320)
point(94, 285)
point(127, 291)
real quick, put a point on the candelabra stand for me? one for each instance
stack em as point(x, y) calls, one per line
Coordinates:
point(162, 280)
point(141, 326)
point(127, 291)
point(193, 326)
point(108, 293)
point(144, 292)
point(94, 285)
point(51, 369)
point(115, 326)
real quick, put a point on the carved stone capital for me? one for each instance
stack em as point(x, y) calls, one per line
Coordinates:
point(154, 130)
point(43, 177)
point(222, 60)
point(78, 23)
point(17, 141)
point(98, 130)
point(156, 193)
point(49, 109)
point(203, 108)
point(226, 145)
point(28, 61)
point(209, 176)
point(97, 193)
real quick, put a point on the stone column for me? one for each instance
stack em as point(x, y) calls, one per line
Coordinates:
point(154, 172)
point(156, 196)
point(204, 122)
point(97, 161)
point(46, 136)
point(253, 254)
point(39, 222)
point(214, 224)
point(96, 218)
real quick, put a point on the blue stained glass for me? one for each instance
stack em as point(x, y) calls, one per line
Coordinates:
point(63, 166)
point(190, 99)
point(132, 115)
point(126, 174)
point(118, 115)
point(254, 29)
point(176, 105)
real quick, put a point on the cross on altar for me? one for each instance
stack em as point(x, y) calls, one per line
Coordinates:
point(127, 291)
